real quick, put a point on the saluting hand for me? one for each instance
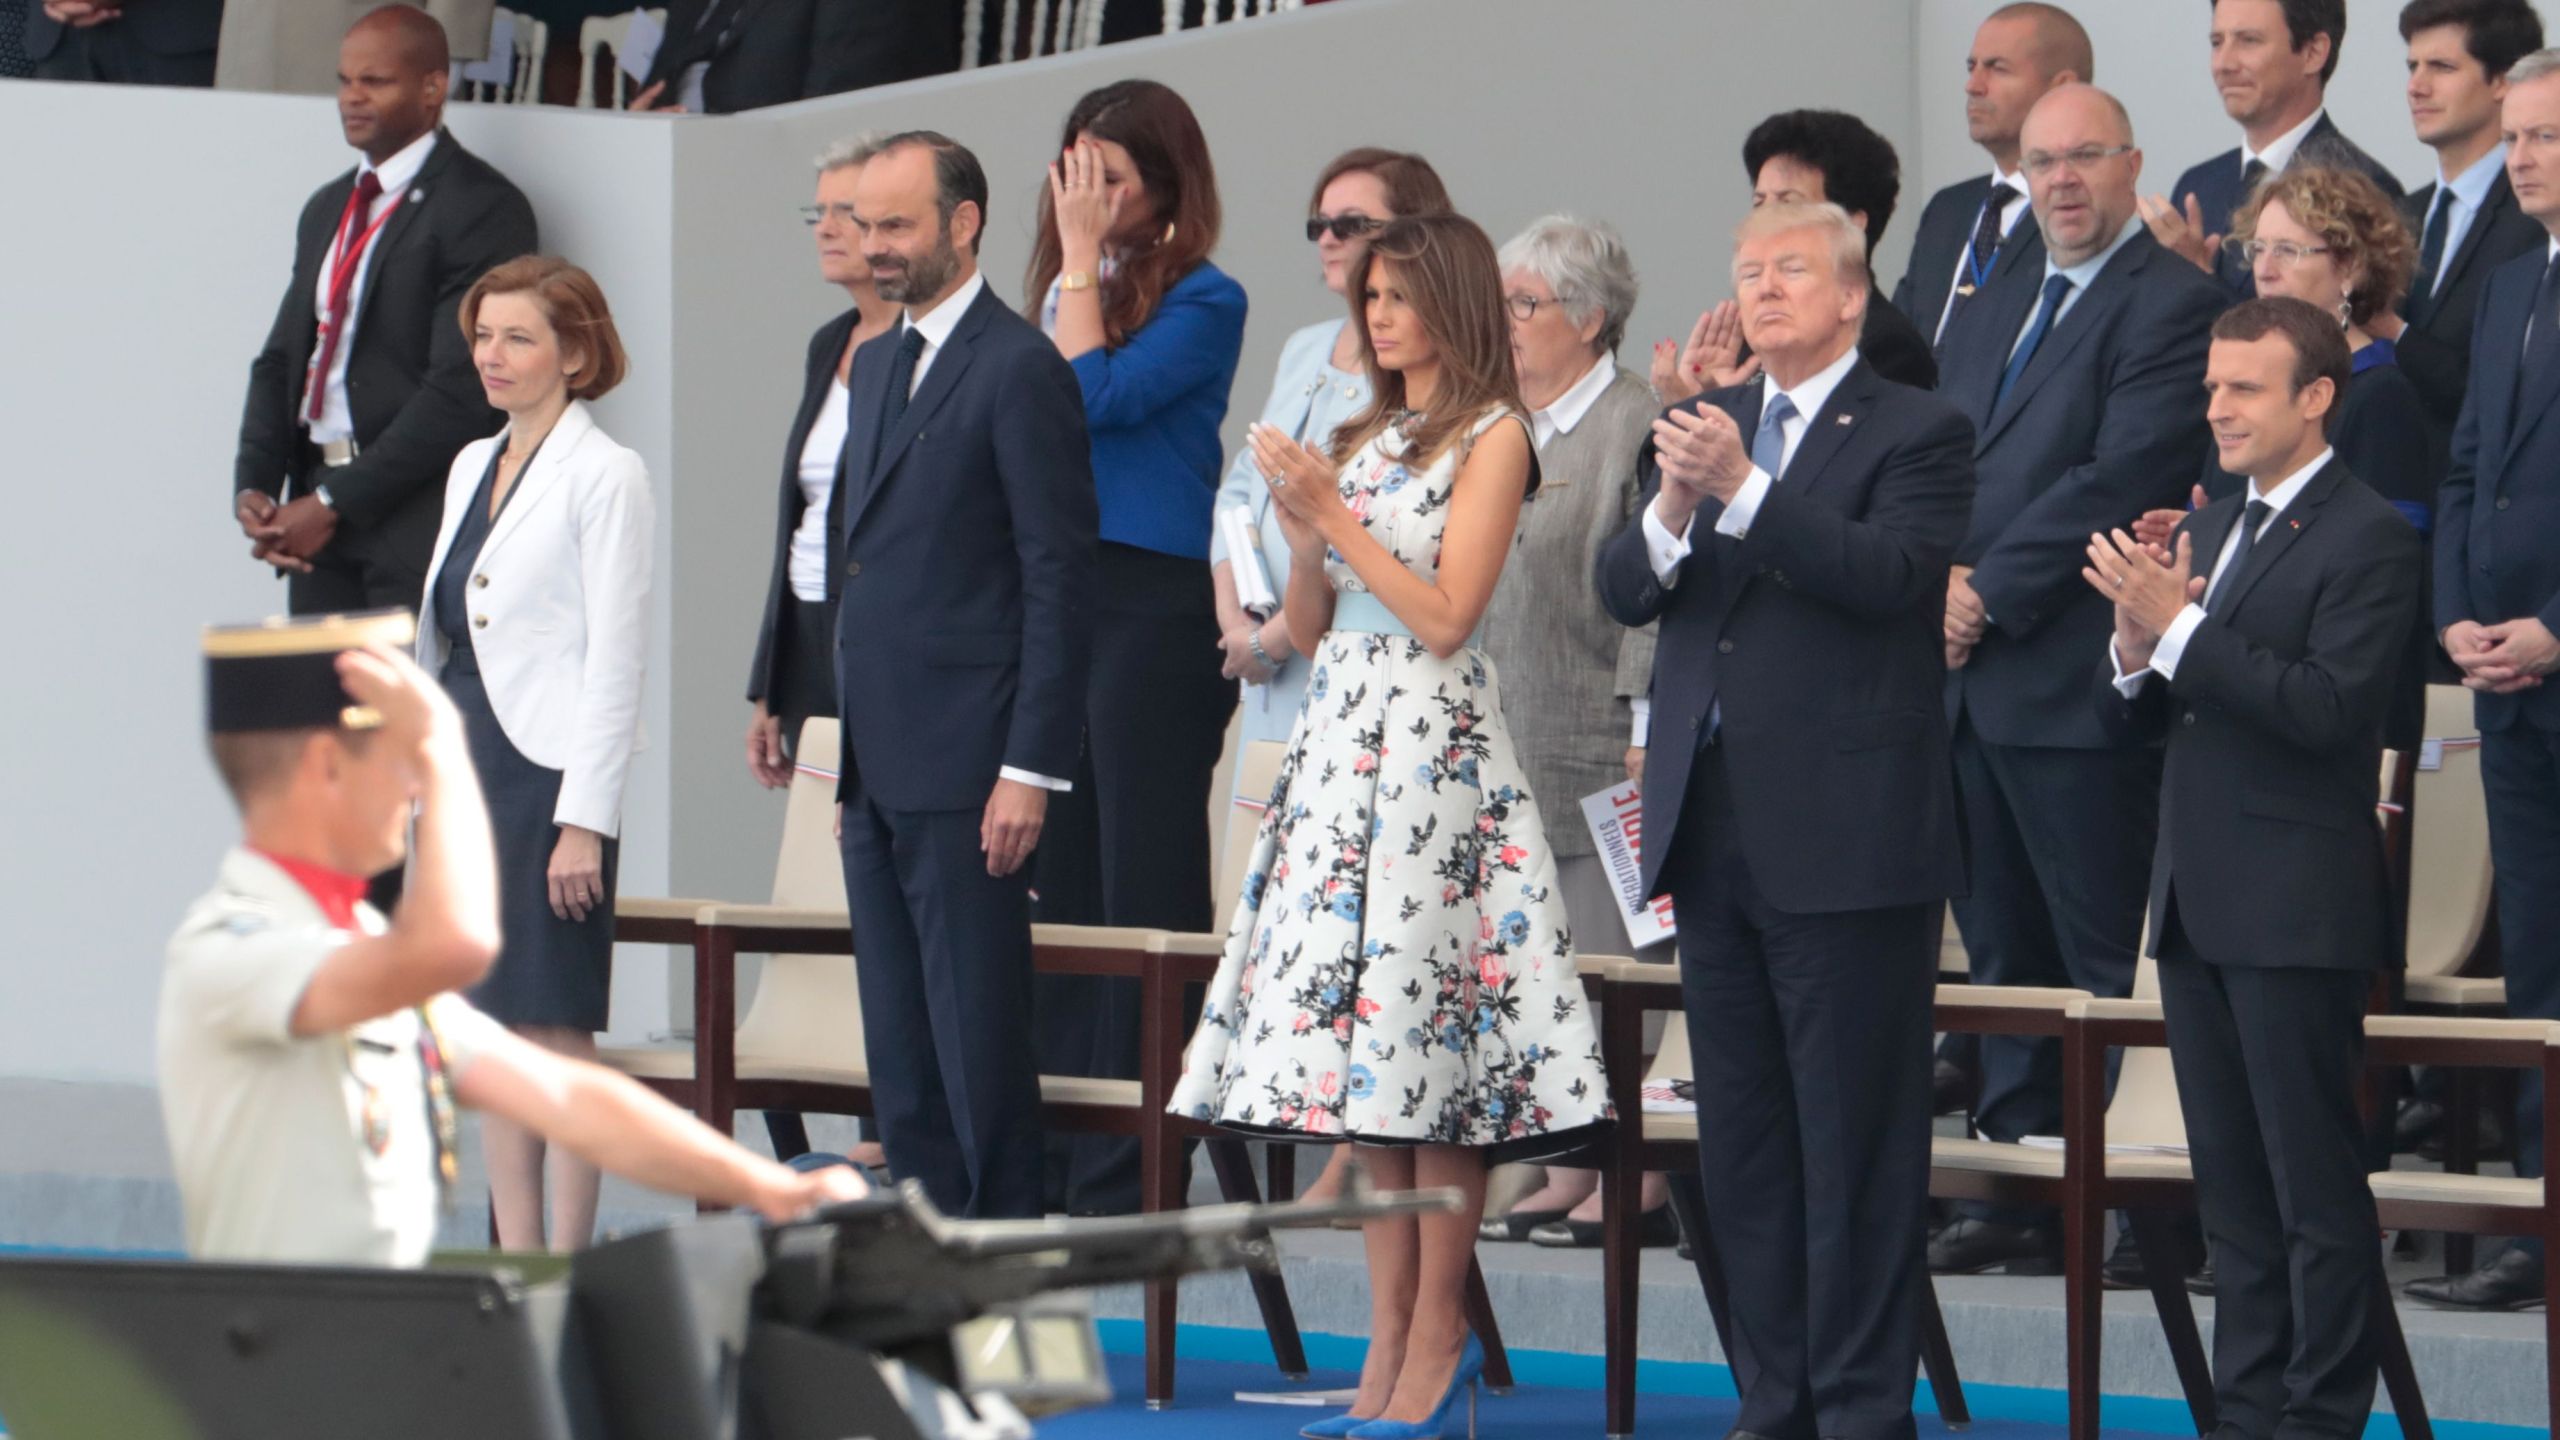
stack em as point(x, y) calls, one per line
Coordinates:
point(2182, 233)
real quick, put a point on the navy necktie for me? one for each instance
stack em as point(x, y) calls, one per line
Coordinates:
point(2056, 287)
point(1769, 443)
point(2251, 521)
point(2542, 341)
point(902, 379)
point(1982, 253)
point(2250, 174)
point(2422, 288)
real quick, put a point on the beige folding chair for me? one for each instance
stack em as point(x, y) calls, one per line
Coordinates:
point(608, 36)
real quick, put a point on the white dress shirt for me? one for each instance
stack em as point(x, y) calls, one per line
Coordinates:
point(397, 174)
point(819, 459)
point(1808, 397)
point(2279, 151)
point(936, 326)
point(1566, 410)
point(2173, 641)
point(2010, 211)
point(2467, 192)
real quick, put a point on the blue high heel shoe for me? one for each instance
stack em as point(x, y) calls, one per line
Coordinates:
point(1470, 1370)
point(1333, 1428)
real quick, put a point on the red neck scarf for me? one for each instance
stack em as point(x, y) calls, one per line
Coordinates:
point(335, 891)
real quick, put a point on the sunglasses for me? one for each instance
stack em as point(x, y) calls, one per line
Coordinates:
point(1344, 227)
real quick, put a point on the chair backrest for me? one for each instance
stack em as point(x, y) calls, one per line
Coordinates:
point(607, 35)
point(1256, 767)
point(807, 1007)
point(2145, 1109)
point(2448, 840)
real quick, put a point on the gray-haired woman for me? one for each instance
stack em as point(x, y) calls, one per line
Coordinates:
point(1575, 680)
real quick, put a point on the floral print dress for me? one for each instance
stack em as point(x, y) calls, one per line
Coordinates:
point(1399, 969)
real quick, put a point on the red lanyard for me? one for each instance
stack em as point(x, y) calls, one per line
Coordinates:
point(349, 258)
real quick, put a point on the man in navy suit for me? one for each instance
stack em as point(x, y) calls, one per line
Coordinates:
point(2082, 378)
point(2467, 222)
point(2263, 648)
point(1793, 542)
point(2019, 53)
point(2497, 610)
point(2272, 60)
point(961, 637)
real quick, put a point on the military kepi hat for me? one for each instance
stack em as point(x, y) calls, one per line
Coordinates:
point(283, 674)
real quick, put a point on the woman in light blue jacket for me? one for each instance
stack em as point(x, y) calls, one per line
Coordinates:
point(1320, 383)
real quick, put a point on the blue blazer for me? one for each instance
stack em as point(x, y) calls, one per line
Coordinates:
point(1819, 635)
point(1154, 406)
point(2106, 422)
point(967, 607)
point(2498, 515)
point(2216, 186)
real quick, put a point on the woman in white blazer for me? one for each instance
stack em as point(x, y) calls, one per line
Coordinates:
point(536, 621)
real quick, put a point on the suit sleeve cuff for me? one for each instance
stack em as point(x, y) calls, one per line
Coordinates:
point(1744, 507)
point(2173, 641)
point(1663, 549)
point(1025, 777)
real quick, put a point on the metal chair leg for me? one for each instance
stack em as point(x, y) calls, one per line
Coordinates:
point(1270, 1292)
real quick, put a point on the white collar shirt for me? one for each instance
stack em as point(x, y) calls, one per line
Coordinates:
point(937, 324)
point(397, 174)
point(1566, 410)
point(2279, 151)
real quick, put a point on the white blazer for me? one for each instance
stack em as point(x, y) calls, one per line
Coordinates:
point(559, 608)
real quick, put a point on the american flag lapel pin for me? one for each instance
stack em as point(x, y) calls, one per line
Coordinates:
point(2296, 524)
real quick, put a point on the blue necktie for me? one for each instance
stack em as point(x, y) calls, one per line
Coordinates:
point(1769, 445)
point(2055, 288)
point(2252, 520)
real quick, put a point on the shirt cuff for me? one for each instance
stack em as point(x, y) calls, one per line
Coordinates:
point(1027, 778)
point(1744, 507)
point(1664, 549)
point(2173, 641)
point(1642, 705)
point(2127, 685)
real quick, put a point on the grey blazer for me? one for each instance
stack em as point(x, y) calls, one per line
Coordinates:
point(1567, 670)
point(291, 46)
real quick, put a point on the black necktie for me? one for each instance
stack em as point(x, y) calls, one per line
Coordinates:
point(2422, 288)
point(902, 378)
point(2542, 340)
point(1982, 253)
point(2251, 520)
point(2251, 173)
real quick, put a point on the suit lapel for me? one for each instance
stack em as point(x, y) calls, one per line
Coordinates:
point(950, 362)
point(1988, 327)
point(865, 390)
point(2077, 325)
point(2271, 548)
point(557, 447)
point(420, 194)
point(1825, 433)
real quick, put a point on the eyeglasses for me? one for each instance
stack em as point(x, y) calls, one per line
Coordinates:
point(1346, 226)
point(1524, 308)
point(2038, 164)
point(2286, 252)
point(810, 215)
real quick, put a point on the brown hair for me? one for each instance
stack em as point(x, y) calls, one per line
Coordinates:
point(573, 303)
point(252, 762)
point(1413, 187)
point(1156, 126)
point(2351, 215)
point(1446, 267)
point(2319, 346)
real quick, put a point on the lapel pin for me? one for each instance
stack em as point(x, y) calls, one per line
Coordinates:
point(1843, 420)
point(417, 194)
point(2296, 524)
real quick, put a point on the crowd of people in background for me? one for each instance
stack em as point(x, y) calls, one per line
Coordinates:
point(2077, 584)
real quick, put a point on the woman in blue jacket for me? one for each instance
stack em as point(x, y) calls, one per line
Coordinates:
point(1121, 279)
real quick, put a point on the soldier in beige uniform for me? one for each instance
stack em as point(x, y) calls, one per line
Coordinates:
point(313, 1053)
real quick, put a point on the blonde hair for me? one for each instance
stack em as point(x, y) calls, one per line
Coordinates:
point(1848, 242)
point(2351, 215)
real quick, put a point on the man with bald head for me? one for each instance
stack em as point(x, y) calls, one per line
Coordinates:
point(1972, 230)
point(2083, 376)
point(365, 389)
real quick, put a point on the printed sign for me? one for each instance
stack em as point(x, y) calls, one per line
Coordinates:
point(1616, 819)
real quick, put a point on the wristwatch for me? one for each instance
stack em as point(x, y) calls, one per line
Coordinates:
point(321, 493)
point(1253, 642)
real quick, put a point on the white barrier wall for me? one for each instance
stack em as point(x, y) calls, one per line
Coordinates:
point(2153, 54)
point(148, 237)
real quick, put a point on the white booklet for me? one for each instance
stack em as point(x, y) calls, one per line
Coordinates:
point(1616, 820)
point(1243, 540)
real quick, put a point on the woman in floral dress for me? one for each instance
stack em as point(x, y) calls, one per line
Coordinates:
point(1400, 974)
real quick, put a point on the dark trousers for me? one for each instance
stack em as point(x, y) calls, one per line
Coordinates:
point(2058, 845)
point(1810, 1038)
point(108, 53)
point(943, 955)
point(2267, 1060)
point(2520, 775)
point(1129, 845)
point(351, 573)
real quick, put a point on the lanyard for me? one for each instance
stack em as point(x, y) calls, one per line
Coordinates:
point(1978, 272)
point(348, 258)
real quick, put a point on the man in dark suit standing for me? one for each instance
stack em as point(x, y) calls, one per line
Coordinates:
point(1968, 233)
point(2467, 221)
point(2263, 647)
point(961, 639)
point(365, 389)
point(2497, 610)
point(1793, 542)
point(134, 42)
point(2081, 378)
point(2272, 60)
point(724, 56)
